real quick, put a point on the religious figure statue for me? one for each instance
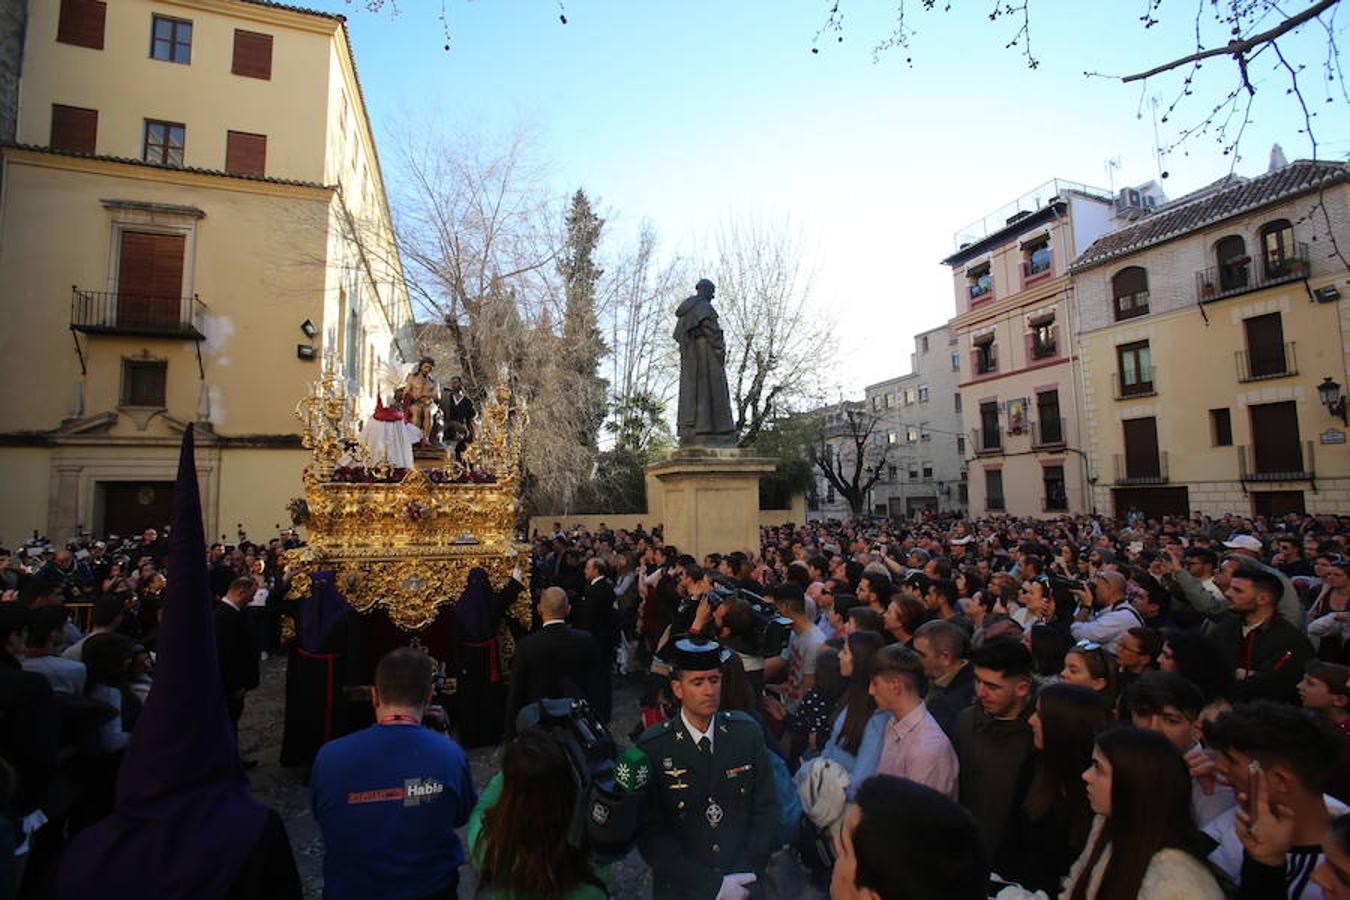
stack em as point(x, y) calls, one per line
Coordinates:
point(421, 396)
point(704, 418)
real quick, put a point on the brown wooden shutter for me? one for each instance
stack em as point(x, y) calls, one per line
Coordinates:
point(1141, 448)
point(245, 154)
point(252, 54)
point(74, 129)
point(1265, 345)
point(150, 280)
point(81, 23)
point(1275, 438)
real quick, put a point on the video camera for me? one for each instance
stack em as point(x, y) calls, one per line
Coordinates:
point(767, 633)
point(609, 797)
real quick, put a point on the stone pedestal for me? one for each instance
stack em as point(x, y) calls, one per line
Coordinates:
point(708, 499)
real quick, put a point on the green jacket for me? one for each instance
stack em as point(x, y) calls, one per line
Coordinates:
point(706, 816)
point(486, 801)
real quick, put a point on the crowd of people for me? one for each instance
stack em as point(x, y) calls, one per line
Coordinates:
point(1076, 707)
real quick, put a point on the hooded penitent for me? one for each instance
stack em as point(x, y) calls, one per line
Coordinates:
point(184, 821)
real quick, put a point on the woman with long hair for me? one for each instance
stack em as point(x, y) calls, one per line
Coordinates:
point(518, 831)
point(1143, 843)
point(1051, 822)
point(858, 734)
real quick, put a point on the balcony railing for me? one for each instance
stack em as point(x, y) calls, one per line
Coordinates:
point(1240, 276)
point(118, 312)
point(1047, 432)
point(1143, 471)
point(1260, 363)
point(1298, 466)
point(1035, 271)
point(995, 504)
point(983, 440)
point(1044, 349)
point(984, 363)
point(1145, 386)
point(980, 292)
point(1055, 503)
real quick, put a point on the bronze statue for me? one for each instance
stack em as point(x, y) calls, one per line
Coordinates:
point(704, 418)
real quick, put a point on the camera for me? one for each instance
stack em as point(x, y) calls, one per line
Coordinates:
point(765, 635)
point(605, 810)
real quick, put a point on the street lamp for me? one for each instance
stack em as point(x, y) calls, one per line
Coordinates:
point(1329, 392)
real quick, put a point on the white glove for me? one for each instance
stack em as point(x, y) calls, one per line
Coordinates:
point(734, 886)
point(518, 575)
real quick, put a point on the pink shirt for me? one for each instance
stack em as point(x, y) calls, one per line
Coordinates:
point(917, 748)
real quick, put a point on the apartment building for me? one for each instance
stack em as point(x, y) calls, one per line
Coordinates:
point(920, 420)
point(1213, 350)
point(193, 220)
point(1013, 327)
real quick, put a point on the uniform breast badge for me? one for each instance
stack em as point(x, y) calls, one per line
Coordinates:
point(714, 813)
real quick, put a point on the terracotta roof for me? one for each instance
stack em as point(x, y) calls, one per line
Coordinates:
point(297, 9)
point(126, 160)
point(1225, 199)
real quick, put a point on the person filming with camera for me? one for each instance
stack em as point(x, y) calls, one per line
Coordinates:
point(388, 799)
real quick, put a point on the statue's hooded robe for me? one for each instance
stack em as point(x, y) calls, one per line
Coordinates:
point(705, 417)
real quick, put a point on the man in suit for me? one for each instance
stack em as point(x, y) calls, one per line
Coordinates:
point(235, 646)
point(1267, 653)
point(556, 661)
point(595, 612)
point(712, 809)
point(459, 413)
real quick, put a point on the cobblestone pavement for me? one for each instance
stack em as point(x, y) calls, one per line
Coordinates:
point(286, 792)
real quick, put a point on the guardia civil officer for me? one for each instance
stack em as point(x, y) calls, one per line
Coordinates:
point(712, 810)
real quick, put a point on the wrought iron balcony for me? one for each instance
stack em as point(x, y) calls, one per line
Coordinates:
point(985, 441)
point(121, 313)
point(1141, 471)
point(1245, 274)
point(1145, 386)
point(1260, 363)
point(1057, 503)
point(984, 363)
point(1288, 463)
point(1047, 432)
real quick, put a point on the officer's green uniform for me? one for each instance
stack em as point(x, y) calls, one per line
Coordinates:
point(707, 815)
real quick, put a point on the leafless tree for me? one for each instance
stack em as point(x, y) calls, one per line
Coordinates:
point(780, 343)
point(850, 452)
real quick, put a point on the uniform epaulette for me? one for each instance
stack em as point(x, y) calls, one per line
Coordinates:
point(656, 731)
point(735, 715)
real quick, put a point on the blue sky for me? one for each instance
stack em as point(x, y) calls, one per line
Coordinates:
point(688, 113)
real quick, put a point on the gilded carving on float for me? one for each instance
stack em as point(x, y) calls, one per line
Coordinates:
point(405, 540)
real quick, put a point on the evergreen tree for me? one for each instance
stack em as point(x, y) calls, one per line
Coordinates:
point(583, 346)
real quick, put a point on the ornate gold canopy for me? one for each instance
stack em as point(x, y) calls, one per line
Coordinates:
point(405, 542)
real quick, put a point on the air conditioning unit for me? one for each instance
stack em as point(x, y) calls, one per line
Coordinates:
point(1130, 198)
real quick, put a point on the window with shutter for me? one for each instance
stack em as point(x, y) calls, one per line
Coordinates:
point(1141, 448)
point(150, 281)
point(252, 54)
point(81, 23)
point(245, 154)
point(74, 129)
point(1265, 346)
point(1275, 438)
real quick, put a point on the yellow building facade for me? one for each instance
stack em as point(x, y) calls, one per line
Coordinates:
point(1022, 438)
point(192, 221)
point(1205, 330)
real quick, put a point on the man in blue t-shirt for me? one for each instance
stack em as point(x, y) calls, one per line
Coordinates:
point(389, 798)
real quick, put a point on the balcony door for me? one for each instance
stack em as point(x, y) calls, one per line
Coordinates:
point(1265, 345)
point(150, 281)
point(1275, 442)
point(989, 432)
point(1141, 448)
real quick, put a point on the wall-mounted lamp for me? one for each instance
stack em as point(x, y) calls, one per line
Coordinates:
point(1327, 294)
point(309, 328)
point(305, 351)
point(1329, 392)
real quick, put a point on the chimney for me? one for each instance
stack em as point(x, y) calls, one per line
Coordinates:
point(1277, 160)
